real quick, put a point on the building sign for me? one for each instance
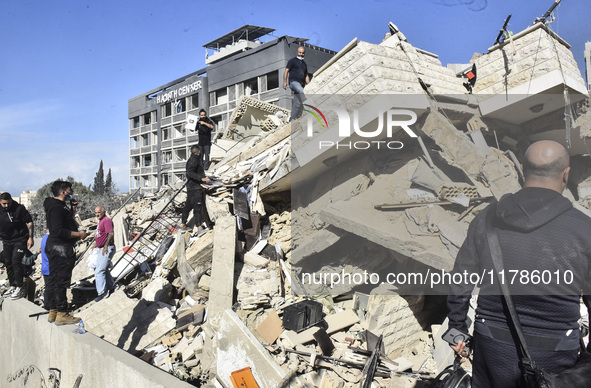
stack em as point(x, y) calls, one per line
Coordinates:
point(179, 92)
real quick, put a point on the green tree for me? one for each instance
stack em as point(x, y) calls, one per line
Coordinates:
point(109, 185)
point(99, 181)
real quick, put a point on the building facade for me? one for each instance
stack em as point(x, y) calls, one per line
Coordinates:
point(27, 198)
point(238, 64)
point(588, 64)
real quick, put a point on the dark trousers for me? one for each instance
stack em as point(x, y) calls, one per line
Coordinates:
point(47, 292)
point(194, 202)
point(61, 263)
point(496, 363)
point(205, 151)
point(13, 253)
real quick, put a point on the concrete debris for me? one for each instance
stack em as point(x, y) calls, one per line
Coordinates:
point(435, 220)
point(238, 348)
point(221, 293)
point(252, 116)
point(271, 328)
point(334, 322)
point(287, 217)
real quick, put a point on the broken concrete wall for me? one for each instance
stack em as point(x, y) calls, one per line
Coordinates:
point(34, 345)
point(533, 53)
point(392, 66)
point(397, 319)
point(252, 116)
point(495, 170)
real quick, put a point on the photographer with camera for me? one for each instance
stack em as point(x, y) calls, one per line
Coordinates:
point(63, 234)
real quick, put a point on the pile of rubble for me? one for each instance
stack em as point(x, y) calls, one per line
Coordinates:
point(244, 302)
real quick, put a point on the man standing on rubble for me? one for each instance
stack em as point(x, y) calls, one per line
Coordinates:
point(204, 128)
point(538, 230)
point(298, 78)
point(63, 234)
point(195, 176)
point(104, 241)
point(16, 233)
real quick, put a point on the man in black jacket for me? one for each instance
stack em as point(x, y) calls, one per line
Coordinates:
point(546, 249)
point(204, 128)
point(63, 234)
point(195, 176)
point(16, 233)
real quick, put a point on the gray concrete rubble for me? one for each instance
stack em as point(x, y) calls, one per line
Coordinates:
point(209, 306)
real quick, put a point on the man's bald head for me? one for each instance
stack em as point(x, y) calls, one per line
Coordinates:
point(546, 161)
point(99, 212)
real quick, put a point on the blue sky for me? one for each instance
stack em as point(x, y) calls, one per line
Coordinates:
point(69, 67)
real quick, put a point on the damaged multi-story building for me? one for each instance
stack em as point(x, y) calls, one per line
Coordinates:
point(239, 64)
point(346, 211)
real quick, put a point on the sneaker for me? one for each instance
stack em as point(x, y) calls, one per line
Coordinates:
point(111, 291)
point(18, 293)
point(9, 291)
point(66, 319)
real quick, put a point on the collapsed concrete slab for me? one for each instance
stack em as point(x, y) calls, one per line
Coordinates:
point(221, 294)
point(358, 216)
point(128, 323)
point(518, 72)
point(238, 348)
point(495, 170)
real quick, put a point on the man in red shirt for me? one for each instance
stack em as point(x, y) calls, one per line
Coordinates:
point(104, 241)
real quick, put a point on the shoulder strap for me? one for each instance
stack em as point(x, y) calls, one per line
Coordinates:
point(497, 259)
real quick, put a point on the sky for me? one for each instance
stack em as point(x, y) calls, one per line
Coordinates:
point(68, 68)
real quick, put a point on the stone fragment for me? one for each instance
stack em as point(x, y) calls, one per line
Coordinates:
point(159, 290)
point(205, 283)
point(271, 328)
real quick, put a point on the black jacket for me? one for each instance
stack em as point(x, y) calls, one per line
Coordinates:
point(543, 240)
point(60, 222)
point(13, 222)
point(204, 132)
point(195, 173)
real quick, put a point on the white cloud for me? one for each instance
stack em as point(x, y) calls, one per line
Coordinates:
point(18, 119)
point(41, 163)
